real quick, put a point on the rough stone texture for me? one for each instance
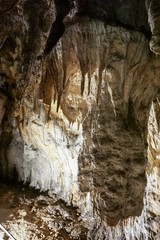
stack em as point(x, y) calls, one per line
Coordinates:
point(115, 69)
point(5, 6)
point(21, 41)
point(153, 10)
point(131, 13)
point(102, 77)
point(154, 168)
point(29, 214)
point(153, 137)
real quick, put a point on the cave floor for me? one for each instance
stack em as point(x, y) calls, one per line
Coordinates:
point(29, 214)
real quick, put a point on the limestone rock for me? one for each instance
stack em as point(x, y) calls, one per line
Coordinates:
point(77, 82)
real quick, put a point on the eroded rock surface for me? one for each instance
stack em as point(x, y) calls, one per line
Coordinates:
point(75, 103)
point(29, 214)
point(115, 68)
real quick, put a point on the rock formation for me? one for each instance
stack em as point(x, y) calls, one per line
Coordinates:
point(77, 82)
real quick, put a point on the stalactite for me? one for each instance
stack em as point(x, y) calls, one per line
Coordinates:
point(58, 79)
point(53, 74)
point(42, 83)
point(35, 101)
point(55, 96)
point(89, 81)
point(100, 72)
point(82, 82)
point(48, 94)
point(99, 85)
point(64, 65)
point(59, 100)
point(20, 118)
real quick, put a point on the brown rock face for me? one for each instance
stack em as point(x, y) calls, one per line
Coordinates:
point(95, 64)
point(5, 6)
point(116, 68)
point(153, 9)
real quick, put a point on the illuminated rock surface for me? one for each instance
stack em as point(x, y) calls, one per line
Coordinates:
point(77, 82)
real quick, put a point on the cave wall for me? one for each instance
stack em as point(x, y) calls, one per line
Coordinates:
point(75, 101)
point(116, 66)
